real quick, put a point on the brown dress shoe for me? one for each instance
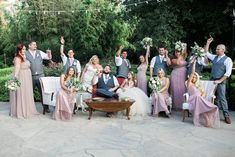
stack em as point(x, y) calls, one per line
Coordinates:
point(227, 120)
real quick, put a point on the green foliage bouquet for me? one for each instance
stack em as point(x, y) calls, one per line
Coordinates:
point(75, 83)
point(147, 42)
point(197, 50)
point(12, 84)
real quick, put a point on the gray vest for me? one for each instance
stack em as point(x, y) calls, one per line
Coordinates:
point(123, 69)
point(36, 65)
point(158, 64)
point(198, 69)
point(218, 68)
point(74, 64)
point(108, 85)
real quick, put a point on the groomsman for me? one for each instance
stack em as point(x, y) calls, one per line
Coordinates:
point(36, 57)
point(221, 70)
point(162, 61)
point(70, 60)
point(123, 65)
point(107, 84)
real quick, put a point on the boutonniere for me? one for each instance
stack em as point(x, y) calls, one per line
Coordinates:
point(74, 63)
point(37, 55)
point(109, 78)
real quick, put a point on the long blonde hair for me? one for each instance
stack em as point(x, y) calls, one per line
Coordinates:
point(198, 82)
point(92, 58)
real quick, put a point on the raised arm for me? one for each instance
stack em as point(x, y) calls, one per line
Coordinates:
point(62, 41)
point(118, 53)
point(147, 55)
point(47, 55)
point(78, 69)
point(208, 44)
point(192, 74)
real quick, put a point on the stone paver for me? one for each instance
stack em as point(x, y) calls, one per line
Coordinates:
point(112, 137)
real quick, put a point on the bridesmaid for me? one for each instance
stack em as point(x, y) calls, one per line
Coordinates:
point(21, 101)
point(161, 99)
point(66, 97)
point(204, 112)
point(178, 77)
point(141, 74)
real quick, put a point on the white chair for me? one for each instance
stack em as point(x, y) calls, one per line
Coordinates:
point(209, 89)
point(50, 86)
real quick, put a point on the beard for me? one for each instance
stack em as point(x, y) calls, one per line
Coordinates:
point(106, 72)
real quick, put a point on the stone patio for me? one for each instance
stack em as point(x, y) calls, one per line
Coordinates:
point(42, 136)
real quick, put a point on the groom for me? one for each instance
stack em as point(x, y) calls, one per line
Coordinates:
point(107, 84)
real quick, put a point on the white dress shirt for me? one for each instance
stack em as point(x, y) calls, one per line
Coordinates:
point(118, 61)
point(228, 63)
point(64, 60)
point(153, 60)
point(43, 54)
point(200, 60)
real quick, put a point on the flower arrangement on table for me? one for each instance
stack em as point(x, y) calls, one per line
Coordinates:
point(180, 46)
point(155, 84)
point(197, 50)
point(12, 84)
point(147, 42)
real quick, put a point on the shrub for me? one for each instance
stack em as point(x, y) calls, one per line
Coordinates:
point(5, 75)
point(53, 69)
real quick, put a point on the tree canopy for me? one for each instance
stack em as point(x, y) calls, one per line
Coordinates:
point(100, 26)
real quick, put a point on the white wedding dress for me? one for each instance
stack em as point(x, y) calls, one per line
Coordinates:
point(87, 84)
point(88, 76)
point(142, 105)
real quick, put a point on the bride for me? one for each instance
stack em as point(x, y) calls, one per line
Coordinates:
point(91, 69)
point(142, 105)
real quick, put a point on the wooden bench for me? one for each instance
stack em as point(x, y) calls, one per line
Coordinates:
point(109, 105)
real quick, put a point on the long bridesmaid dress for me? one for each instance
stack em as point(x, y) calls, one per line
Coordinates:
point(141, 77)
point(21, 101)
point(177, 85)
point(202, 109)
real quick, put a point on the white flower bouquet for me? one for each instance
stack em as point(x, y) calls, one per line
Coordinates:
point(180, 46)
point(197, 50)
point(147, 42)
point(12, 84)
point(155, 84)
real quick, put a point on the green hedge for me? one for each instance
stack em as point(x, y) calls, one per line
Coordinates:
point(5, 75)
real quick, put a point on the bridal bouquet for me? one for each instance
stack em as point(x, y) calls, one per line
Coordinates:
point(180, 46)
point(75, 83)
point(197, 50)
point(155, 84)
point(147, 42)
point(12, 84)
